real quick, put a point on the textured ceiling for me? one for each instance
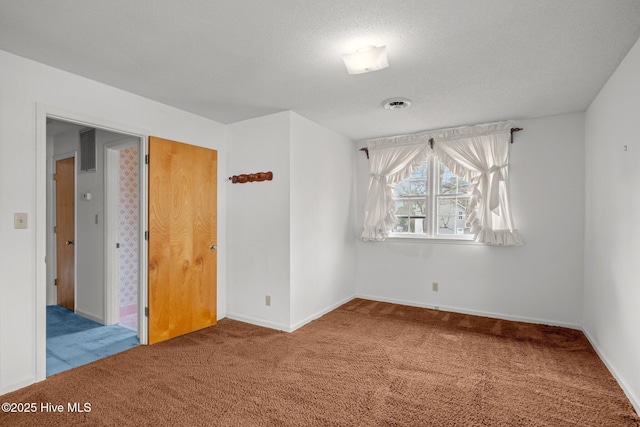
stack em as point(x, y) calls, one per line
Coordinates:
point(459, 61)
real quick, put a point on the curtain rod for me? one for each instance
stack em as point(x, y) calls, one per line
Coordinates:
point(431, 141)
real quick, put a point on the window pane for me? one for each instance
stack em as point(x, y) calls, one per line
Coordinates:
point(463, 186)
point(411, 202)
point(411, 207)
point(452, 215)
point(415, 185)
point(404, 208)
point(418, 225)
point(448, 181)
point(402, 189)
point(446, 215)
point(418, 188)
point(410, 225)
point(421, 172)
point(403, 225)
point(463, 204)
point(451, 184)
point(462, 227)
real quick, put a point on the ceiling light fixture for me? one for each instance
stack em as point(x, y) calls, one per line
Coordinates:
point(367, 59)
point(396, 103)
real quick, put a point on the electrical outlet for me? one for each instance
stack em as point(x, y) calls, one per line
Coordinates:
point(434, 286)
point(267, 300)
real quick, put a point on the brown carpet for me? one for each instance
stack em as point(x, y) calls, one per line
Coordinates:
point(364, 364)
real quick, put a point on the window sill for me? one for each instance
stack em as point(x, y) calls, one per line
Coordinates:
point(418, 239)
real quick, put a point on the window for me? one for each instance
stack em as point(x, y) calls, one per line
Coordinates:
point(432, 203)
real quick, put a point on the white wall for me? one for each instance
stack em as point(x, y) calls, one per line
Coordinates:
point(25, 83)
point(291, 238)
point(612, 271)
point(540, 281)
point(322, 215)
point(258, 213)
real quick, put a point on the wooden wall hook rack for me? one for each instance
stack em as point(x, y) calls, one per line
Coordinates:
point(251, 177)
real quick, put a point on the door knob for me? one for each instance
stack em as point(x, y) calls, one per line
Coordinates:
point(213, 247)
point(69, 242)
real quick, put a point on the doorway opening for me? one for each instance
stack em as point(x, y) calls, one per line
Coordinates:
point(97, 260)
point(122, 172)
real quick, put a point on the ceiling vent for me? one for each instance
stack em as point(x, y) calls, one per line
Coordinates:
point(396, 103)
point(88, 150)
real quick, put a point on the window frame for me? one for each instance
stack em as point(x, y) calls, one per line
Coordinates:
point(431, 216)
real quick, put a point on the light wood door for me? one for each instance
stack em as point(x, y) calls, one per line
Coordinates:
point(182, 238)
point(65, 232)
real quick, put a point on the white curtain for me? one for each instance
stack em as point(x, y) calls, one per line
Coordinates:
point(390, 161)
point(480, 154)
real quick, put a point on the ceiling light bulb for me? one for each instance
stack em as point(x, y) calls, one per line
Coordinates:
point(367, 59)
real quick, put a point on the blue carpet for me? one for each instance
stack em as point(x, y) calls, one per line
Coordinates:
point(61, 321)
point(73, 340)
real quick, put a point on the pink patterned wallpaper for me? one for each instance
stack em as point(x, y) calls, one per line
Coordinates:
point(128, 227)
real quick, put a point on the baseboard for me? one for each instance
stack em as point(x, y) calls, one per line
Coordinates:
point(17, 385)
point(633, 398)
point(280, 327)
point(257, 322)
point(472, 312)
point(320, 313)
point(90, 316)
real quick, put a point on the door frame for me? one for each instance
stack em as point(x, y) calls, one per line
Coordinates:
point(111, 203)
point(43, 112)
point(54, 236)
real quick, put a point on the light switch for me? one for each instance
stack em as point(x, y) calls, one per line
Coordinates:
point(19, 220)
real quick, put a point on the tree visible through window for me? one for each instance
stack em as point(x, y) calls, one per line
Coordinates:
point(432, 203)
point(410, 196)
point(453, 203)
